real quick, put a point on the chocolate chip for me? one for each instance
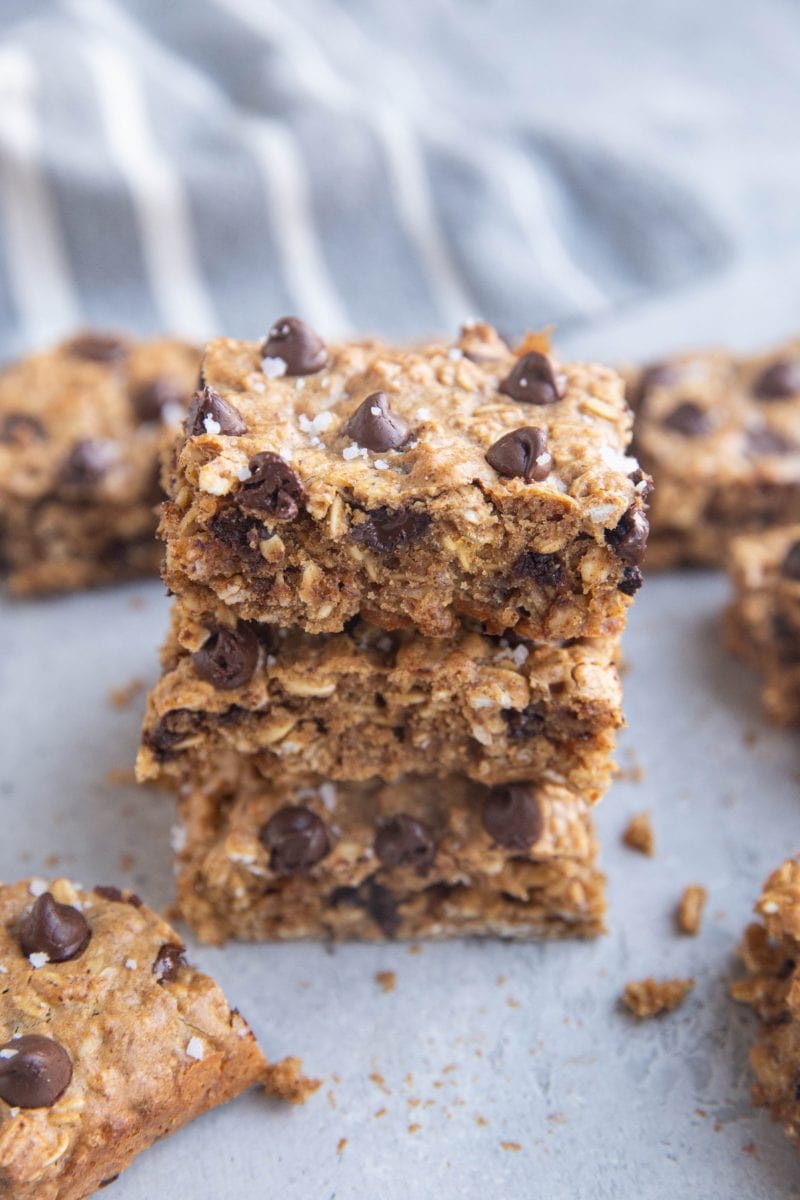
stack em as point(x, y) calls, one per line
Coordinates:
point(521, 454)
point(97, 347)
point(628, 538)
point(402, 841)
point(109, 892)
point(630, 580)
point(533, 381)
point(228, 658)
point(662, 374)
point(21, 429)
point(168, 962)
point(767, 441)
point(780, 381)
point(273, 487)
point(512, 816)
point(58, 930)
point(390, 529)
point(208, 406)
point(545, 569)
point(296, 839)
point(296, 344)
point(37, 1072)
point(689, 419)
point(790, 567)
point(151, 399)
point(524, 723)
point(87, 463)
point(238, 532)
point(375, 426)
point(175, 727)
point(382, 906)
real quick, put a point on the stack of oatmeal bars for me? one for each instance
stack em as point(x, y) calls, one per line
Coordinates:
point(389, 693)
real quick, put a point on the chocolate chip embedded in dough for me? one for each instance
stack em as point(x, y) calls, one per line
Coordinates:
point(168, 962)
point(544, 569)
point(390, 529)
point(98, 347)
point(207, 410)
point(523, 723)
point(296, 839)
point(403, 841)
point(779, 381)
point(21, 429)
point(790, 567)
point(273, 487)
point(689, 419)
point(512, 816)
point(630, 580)
point(532, 381)
point(521, 454)
point(661, 374)
point(109, 892)
point(228, 658)
point(297, 345)
point(34, 1071)
point(628, 538)
point(58, 930)
point(87, 463)
point(152, 399)
point(767, 441)
point(375, 426)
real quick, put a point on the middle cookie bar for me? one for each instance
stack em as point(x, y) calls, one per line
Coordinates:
point(367, 702)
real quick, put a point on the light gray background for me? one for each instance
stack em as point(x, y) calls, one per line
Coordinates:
point(601, 1107)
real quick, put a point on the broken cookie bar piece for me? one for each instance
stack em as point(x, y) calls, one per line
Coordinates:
point(108, 1039)
point(81, 429)
point(418, 858)
point(762, 624)
point(770, 952)
point(369, 702)
point(413, 487)
point(721, 437)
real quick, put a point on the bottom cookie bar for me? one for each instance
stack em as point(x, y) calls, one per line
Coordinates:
point(763, 622)
point(417, 858)
point(108, 1039)
point(771, 953)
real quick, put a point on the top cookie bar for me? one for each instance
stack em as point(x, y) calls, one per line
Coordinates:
point(721, 437)
point(411, 486)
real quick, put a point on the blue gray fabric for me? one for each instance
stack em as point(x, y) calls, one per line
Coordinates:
point(395, 166)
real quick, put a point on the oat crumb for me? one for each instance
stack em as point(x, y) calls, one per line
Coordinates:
point(120, 777)
point(651, 997)
point(381, 1112)
point(286, 1081)
point(639, 834)
point(515, 1146)
point(481, 1120)
point(386, 980)
point(340, 1145)
point(122, 697)
point(380, 1082)
point(689, 914)
point(414, 1128)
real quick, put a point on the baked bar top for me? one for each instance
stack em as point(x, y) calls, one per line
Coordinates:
point(407, 485)
point(370, 702)
point(771, 954)
point(108, 1040)
point(83, 422)
point(721, 437)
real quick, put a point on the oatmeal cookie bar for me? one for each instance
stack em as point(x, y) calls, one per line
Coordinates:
point(763, 622)
point(721, 437)
point(418, 858)
point(368, 702)
point(81, 428)
point(412, 487)
point(108, 1039)
point(771, 954)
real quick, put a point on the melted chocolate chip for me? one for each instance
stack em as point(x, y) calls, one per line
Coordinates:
point(689, 419)
point(57, 930)
point(512, 816)
point(228, 658)
point(168, 962)
point(402, 841)
point(154, 397)
point(109, 892)
point(767, 441)
point(382, 906)
point(208, 406)
point(663, 374)
point(521, 454)
point(98, 347)
point(238, 532)
point(37, 1072)
point(166, 736)
point(375, 426)
point(545, 569)
point(21, 429)
point(780, 381)
point(296, 344)
point(87, 463)
point(790, 567)
point(296, 839)
point(273, 487)
point(524, 723)
point(628, 539)
point(532, 381)
point(630, 580)
point(390, 529)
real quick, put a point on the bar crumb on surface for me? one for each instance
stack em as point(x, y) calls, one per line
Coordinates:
point(689, 913)
point(122, 697)
point(646, 998)
point(386, 980)
point(639, 834)
point(285, 1080)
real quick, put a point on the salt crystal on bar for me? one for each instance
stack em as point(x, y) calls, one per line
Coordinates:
point(273, 368)
point(350, 452)
point(3, 970)
point(210, 425)
point(38, 959)
point(8, 1053)
point(243, 473)
point(327, 794)
point(37, 887)
point(455, 353)
point(177, 838)
point(131, 964)
point(423, 414)
point(381, 465)
point(196, 1049)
